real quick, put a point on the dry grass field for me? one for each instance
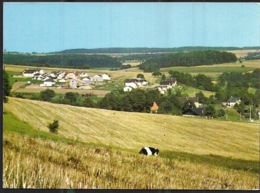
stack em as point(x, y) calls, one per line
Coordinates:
point(102, 150)
point(241, 53)
point(134, 130)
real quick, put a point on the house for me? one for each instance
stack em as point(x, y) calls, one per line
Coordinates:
point(169, 82)
point(61, 75)
point(83, 75)
point(154, 108)
point(131, 83)
point(70, 75)
point(97, 78)
point(86, 81)
point(195, 100)
point(62, 80)
point(128, 89)
point(32, 72)
point(162, 89)
point(48, 82)
point(73, 83)
point(141, 82)
point(29, 73)
point(195, 112)
point(232, 101)
point(105, 77)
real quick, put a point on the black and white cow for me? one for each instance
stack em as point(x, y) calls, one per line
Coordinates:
point(149, 151)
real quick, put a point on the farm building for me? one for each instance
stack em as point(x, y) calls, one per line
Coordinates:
point(195, 100)
point(195, 112)
point(32, 72)
point(48, 82)
point(232, 101)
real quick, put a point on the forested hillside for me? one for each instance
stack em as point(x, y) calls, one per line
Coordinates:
point(148, 50)
point(195, 58)
point(62, 60)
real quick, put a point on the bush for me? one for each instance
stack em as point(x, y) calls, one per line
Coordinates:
point(53, 127)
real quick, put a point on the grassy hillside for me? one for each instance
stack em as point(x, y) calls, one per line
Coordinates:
point(99, 149)
point(134, 130)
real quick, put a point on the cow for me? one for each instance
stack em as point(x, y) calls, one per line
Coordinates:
point(149, 151)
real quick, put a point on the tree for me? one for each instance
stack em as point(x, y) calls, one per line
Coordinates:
point(71, 97)
point(204, 82)
point(140, 76)
point(210, 111)
point(6, 86)
point(47, 94)
point(157, 73)
point(53, 127)
point(201, 97)
point(138, 100)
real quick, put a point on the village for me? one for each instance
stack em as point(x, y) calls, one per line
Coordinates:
point(81, 80)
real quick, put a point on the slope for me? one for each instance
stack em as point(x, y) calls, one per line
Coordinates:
point(133, 130)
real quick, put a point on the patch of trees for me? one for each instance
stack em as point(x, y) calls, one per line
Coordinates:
point(195, 58)
point(253, 56)
point(135, 101)
point(239, 80)
point(238, 84)
point(6, 86)
point(63, 60)
point(199, 81)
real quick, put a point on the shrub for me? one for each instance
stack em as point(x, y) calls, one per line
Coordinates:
point(53, 127)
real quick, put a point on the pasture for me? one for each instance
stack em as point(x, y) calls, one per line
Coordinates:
point(98, 148)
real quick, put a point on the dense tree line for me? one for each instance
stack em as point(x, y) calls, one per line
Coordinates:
point(6, 86)
point(189, 59)
point(148, 50)
point(62, 60)
point(253, 56)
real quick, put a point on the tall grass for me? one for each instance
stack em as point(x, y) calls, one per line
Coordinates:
point(36, 163)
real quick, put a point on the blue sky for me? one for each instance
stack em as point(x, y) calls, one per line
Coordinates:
point(47, 27)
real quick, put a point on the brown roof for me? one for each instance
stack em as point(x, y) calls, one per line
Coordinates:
point(154, 107)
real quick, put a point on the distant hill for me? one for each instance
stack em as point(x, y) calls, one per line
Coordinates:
point(62, 60)
point(146, 50)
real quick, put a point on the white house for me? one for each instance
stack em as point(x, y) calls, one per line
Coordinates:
point(105, 77)
point(131, 83)
point(32, 72)
point(73, 83)
point(141, 82)
point(70, 75)
point(48, 82)
point(83, 75)
point(61, 75)
point(86, 81)
point(232, 101)
point(62, 80)
point(128, 89)
point(97, 78)
point(162, 89)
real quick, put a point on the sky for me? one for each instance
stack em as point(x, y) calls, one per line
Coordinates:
point(47, 27)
